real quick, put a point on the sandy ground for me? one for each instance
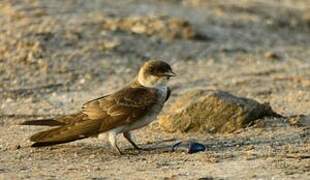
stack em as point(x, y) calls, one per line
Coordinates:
point(55, 55)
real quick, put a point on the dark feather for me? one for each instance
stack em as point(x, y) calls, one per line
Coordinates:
point(43, 122)
point(168, 94)
point(66, 133)
point(42, 144)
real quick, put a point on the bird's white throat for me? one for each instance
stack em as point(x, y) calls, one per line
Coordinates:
point(152, 81)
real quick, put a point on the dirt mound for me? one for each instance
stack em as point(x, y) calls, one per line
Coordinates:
point(212, 111)
point(162, 26)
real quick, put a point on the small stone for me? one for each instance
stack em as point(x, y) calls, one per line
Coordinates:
point(138, 28)
point(16, 147)
point(8, 100)
point(250, 147)
point(271, 55)
point(82, 81)
point(299, 120)
point(110, 44)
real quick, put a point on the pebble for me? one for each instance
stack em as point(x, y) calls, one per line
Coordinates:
point(271, 55)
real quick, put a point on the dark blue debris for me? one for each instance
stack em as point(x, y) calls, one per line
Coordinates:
point(194, 147)
point(189, 147)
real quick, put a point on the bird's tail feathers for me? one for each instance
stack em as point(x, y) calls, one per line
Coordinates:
point(66, 133)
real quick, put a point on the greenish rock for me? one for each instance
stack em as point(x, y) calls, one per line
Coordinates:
point(212, 111)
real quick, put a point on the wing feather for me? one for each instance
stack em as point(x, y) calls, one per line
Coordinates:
point(124, 106)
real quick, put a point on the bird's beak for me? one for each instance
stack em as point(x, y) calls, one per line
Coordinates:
point(170, 74)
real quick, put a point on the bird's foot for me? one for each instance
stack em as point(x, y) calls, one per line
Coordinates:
point(118, 153)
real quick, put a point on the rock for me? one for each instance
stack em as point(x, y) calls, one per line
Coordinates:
point(271, 55)
point(110, 44)
point(212, 111)
point(15, 147)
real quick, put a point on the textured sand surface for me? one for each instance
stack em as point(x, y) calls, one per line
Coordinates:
point(55, 55)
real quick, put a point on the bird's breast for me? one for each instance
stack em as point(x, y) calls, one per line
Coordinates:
point(151, 114)
point(163, 93)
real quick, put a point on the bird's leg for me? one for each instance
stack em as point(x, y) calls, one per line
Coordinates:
point(128, 136)
point(112, 140)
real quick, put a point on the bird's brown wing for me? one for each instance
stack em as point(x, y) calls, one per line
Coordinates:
point(102, 114)
point(58, 121)
point(121, 108)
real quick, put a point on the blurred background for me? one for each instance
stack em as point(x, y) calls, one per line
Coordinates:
point(55, 55)
point(254, 48)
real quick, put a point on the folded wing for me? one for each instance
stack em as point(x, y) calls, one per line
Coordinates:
point(100, 115)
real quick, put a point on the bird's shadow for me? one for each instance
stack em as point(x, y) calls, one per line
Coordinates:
point(86, 149)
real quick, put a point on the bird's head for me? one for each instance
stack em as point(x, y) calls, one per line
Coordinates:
point(155, 73)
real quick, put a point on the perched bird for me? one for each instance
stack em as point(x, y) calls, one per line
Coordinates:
point(132, 107)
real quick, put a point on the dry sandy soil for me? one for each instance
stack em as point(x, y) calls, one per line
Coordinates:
point(55, 55)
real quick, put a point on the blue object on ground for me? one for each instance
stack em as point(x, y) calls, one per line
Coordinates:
point(189, 147)
point(194, 147)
